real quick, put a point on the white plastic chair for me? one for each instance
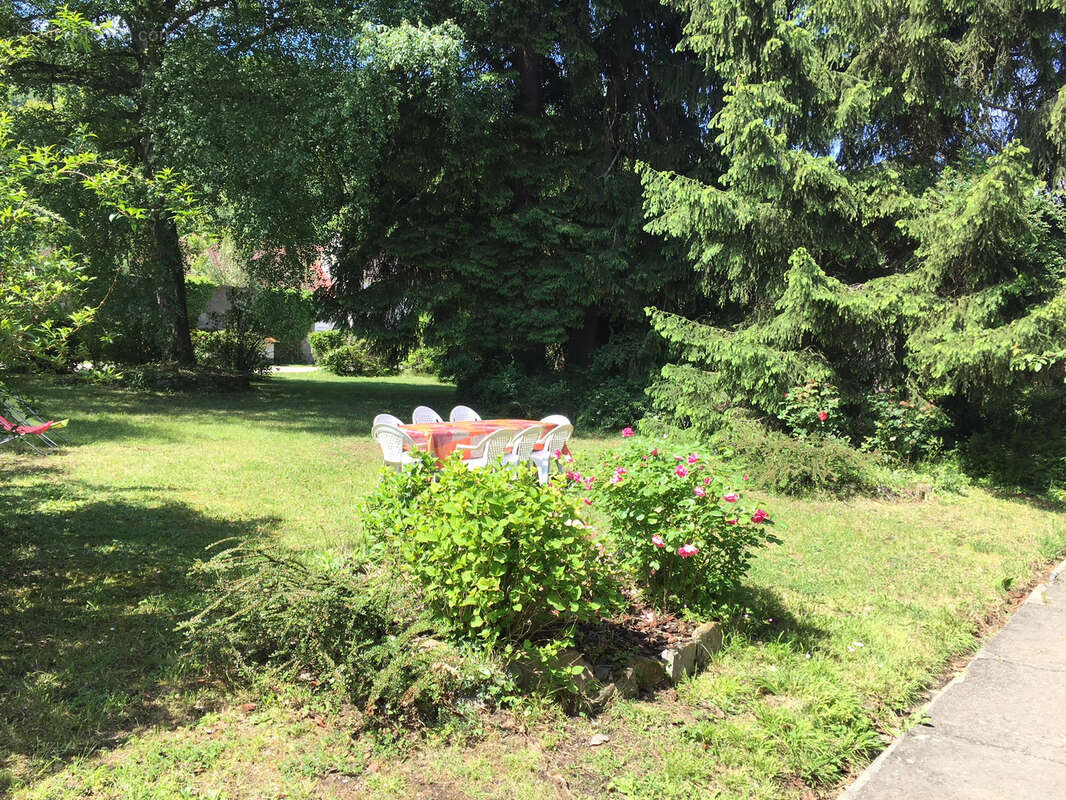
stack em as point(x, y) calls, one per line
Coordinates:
point(424, 414)
point(556, 419)
point(490, 448)
point(553, 440)
point(387, 419)
point(392, 441)
point(464, 414)
point(521, 445)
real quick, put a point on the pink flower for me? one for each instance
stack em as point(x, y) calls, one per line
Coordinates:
point(558, 453)
point(730, 497)
point(731, 521)
point(572, 476)
point(658, 541)
point(655, 452)
point(692, 459)
point(569, 459)
point(626, 432)
point(759, 515)
point(700, 491)
point(588, 502)
point(745, 477)
point(687, 550)
point(616, 478)
point(680, 472)
point(588, 482)
point(679, 458)
point(619, 470)
point(706, 481)
point(823, 416)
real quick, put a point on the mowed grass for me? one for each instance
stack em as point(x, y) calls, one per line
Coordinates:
point(850, 620)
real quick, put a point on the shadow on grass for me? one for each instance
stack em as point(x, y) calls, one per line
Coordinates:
point(92, 589)
point(763, 617)
point(299, 404)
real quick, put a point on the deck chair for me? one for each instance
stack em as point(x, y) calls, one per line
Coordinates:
point(19, 411)
point(13, 432)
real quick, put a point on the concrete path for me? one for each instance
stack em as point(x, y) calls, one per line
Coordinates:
point(999, 730)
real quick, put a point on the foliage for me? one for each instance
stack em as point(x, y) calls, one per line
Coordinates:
point(231, 350)
point(285, 314)
point(323, 341)
point(359, 630)
point(906, 429)
point(861, 233)
point(423, 361)
point(356, 358)
point(198, 293)
point(812, 466)
point(678, 520)
point(812, 408)
point(498, 555)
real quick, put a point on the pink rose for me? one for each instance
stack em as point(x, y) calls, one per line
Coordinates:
point(588, 502)
point(730, 497)
point(616, 478)
point(700, 491)
point(745, 477)
point(823, 416)
point(759, 515)
point(572, 476)
point(681, 472)
point(706, 481)
point(626, 432)
point(687, 550)
point(588, 482)
point(655, 452)
point(692, 459)
point(619, 470)
point(558, 453)
point(731, 521)
point(658, 541)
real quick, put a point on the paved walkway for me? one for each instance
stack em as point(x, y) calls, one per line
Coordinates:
point(999, 730)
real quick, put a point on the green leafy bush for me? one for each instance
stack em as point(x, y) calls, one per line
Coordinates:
point(678, 519)
point(498, 555)
point(812, 409)
point(611, 404)
point(814, 465)
point(905, 430)
point(423, 361)
point(360, 630)
point(231, 350)
point(285, 314)
point(323, 341)
point(355, 359)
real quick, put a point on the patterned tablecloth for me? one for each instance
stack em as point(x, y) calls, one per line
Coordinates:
point(441, 438)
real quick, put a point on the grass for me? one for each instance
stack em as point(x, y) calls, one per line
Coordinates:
point(850, 620)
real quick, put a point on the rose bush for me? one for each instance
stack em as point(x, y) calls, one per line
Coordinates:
point(812, 409)
point(678, 521)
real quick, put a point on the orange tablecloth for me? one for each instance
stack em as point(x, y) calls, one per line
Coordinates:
point(441, 438)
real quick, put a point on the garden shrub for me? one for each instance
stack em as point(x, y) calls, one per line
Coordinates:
point(678, 519)
point(361, 631)
point(499, 556)
point(423, 361)
point(814, 465)
point(812, 409)
point(232, 350)
point(323, 341)
point(285, 314)
point(904, 429)
point(355, 359)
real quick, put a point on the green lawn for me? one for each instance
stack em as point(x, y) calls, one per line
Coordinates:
point(852, 618)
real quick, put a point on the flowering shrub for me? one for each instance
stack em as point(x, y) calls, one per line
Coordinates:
point(496, 554)
point(679, 523)
point(812, 409)
point(904, 429)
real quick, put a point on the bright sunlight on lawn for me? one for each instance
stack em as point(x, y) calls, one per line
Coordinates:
point(851, 619)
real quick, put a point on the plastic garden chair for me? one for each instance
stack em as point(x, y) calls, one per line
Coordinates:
point(18, 410)
point(544, 455)
point(520, 448)
point(488, 449)
point(424, 414)
point(394, 445)
point(387, 419)
point(556, 419)
point(464, 414)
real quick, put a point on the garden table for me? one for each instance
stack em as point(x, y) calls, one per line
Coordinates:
point(442, 438)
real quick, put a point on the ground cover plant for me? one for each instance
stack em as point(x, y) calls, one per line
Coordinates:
point(847, 621)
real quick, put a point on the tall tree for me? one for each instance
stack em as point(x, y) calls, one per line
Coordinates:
point(126, 86)
point(875, 225)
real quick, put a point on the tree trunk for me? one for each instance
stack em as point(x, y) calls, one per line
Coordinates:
point(170, 290)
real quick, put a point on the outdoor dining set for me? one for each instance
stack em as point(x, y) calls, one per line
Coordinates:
point(479, 441)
